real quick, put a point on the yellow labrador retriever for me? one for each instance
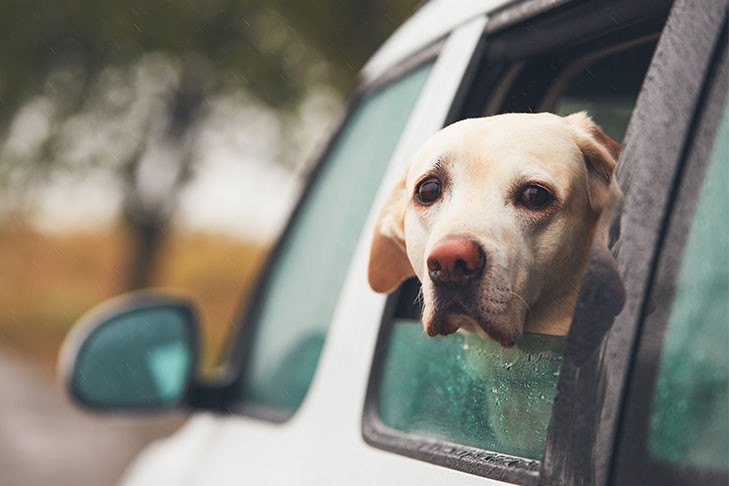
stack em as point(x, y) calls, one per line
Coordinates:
point(496, 216)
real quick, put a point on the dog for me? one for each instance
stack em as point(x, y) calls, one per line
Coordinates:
point(497, 217)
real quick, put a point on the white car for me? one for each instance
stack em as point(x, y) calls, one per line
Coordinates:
point(329, 383)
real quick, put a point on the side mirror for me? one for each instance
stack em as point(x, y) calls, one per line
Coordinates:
point(137, 352)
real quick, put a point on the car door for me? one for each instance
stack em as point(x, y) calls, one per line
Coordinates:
point(674, 428)
point(590, 396)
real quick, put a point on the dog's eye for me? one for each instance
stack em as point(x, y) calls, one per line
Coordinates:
point(535, 197)
point(428, 191)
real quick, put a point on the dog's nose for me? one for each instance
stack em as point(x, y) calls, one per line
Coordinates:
point(455, 260)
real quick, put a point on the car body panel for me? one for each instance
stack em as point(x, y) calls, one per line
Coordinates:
point(433, 21)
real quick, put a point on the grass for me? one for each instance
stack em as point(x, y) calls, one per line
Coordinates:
point(48, 280)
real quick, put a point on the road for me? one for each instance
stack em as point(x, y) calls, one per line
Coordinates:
point(44, 440)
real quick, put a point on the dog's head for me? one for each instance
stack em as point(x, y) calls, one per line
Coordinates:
point(496, 216)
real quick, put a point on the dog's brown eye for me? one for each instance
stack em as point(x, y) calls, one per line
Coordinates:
point(428, 191)
point(535, 197)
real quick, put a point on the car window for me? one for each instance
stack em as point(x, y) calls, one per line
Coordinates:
point(471, 391)
point(606, 85)
point(674, 428)
point(302, 287)
point(469, 395)
point(689, 421)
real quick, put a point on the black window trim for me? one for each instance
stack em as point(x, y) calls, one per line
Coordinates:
point(635, 416)
point(582, 432)
point(468, 459)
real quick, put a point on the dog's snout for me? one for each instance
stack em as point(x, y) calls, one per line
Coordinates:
point(455, 260)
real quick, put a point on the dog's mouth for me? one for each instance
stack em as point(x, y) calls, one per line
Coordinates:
point(483, 311)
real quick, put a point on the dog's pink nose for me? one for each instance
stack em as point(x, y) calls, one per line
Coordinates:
point(455, 259)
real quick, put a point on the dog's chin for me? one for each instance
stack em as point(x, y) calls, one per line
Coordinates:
point(502, 329)
point(505, 333)
point(485, 308)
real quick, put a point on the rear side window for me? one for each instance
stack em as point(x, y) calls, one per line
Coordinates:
point(675, 427)
point(689, 421)
point(301, 289)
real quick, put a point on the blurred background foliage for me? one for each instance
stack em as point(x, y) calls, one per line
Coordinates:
point(111, 110)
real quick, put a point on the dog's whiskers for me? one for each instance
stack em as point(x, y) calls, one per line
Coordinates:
point(529, 311)
point(419, 297)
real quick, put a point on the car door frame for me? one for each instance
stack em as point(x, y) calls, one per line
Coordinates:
point(633, 461)
point(582, 432)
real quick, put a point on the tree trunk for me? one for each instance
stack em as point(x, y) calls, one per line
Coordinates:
point(148, 217)
point(146, 240)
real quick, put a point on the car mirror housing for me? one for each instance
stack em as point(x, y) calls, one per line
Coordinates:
point(133, 353)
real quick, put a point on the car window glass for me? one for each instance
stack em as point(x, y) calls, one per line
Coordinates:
point(469, 390)
point(303, 284)
point(689, 422)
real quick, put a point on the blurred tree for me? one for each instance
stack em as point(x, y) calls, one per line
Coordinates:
point(125, 85)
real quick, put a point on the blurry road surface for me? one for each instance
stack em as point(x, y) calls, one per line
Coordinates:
point(44, 440)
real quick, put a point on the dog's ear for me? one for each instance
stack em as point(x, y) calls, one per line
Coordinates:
point(601, 155)
point(602, 294)
point(389, 264)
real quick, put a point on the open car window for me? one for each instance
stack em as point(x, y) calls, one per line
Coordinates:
point(605, 84)
point(465, 402)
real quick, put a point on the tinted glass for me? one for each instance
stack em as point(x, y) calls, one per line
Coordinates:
point(689, 423)
point(303, 286)
point(469, 390)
